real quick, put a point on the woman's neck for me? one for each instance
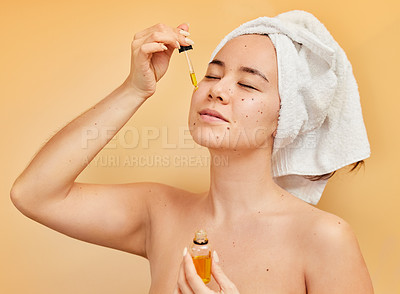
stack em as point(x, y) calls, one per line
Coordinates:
point(240, 183)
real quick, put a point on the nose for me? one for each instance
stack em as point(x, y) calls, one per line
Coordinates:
point(220, 91)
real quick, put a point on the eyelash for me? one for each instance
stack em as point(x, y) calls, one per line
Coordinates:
point(247, 86)
point(240, 84)
point(211, 77)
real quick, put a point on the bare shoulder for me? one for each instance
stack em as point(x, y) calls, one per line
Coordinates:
point(324, 233)
point(313, 222)
point(333, 262)
point(324, 228)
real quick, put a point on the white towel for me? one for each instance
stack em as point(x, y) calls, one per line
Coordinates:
point(320, 127)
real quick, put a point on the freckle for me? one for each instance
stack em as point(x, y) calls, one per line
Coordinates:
point(228, 128)
point(247, 116)
point(256, 120)
point(245, 46)
point(150, 190)
point(233, 243)
point(267, 269)
point(194, 124)
point(234, 121)
point(234, 149)
point(242, 99)
point(252, 98)
point(339, 223)
point(259, 211)
point(80, 187)
point(261, 112)
point(95, 124)
point(217, 137)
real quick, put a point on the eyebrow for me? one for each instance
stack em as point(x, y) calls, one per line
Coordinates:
point(242, 68)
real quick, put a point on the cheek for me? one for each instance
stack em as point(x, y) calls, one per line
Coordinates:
point(270, 115)
point(269, 109)
point(254, 110)
point(258, 114)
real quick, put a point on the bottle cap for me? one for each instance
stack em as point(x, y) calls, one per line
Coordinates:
point(200, 237)
point(185, 48)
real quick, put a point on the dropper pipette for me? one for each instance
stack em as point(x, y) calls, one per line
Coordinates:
point(191, 70)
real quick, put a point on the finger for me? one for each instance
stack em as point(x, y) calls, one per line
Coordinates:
point(184, 26)
point(161, 33)
point(160, 27)
point(172, 39)
point(222, 280)
point(194, 280)
point(176, 290)
point(156, 38)
point(183, 29)
point(166, 38)
point(150, 48)
point(183, 285)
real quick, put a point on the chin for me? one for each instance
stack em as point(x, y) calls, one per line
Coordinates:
point(218, 139)
point(221, 138)
point(210, 137)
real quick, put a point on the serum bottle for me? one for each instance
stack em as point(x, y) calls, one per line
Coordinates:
point(200, 251)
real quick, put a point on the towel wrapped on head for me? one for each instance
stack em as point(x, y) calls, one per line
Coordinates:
point(320, 127)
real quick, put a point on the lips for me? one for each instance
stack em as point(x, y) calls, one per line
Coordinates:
point(213, 113)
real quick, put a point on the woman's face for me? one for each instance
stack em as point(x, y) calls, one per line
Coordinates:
point(241, 88)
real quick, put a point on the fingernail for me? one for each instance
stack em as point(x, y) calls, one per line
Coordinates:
point(164, 47)
point(215, 256)
point(179, 45)
point(184, 251)
point(189, 41)
point(184, 33)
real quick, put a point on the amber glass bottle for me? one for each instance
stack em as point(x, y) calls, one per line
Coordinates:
point(200, 251)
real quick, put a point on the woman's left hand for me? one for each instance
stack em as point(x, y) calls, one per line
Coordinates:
point(190, 283)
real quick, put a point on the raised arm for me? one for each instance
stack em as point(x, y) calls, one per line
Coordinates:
point(108, 215)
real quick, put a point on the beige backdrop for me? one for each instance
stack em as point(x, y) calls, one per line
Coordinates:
point(58, 58)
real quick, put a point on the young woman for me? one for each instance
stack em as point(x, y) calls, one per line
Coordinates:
point(268, 241)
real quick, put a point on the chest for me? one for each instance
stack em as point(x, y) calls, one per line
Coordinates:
point(258, 257)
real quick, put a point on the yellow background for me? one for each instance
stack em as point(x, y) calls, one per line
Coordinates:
point(58, 58)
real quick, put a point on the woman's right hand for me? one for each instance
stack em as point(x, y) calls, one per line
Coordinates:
point(151, 52)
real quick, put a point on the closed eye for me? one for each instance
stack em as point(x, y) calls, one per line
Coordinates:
point(212, 77)
point(247, 86)
point(240, 84)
